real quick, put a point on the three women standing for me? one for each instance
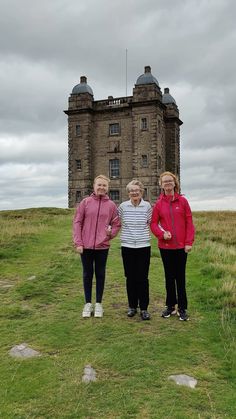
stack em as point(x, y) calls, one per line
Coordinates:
point(96, 222)
point(173, 226)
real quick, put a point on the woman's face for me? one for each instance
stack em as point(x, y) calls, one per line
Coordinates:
point(135, 194)
point(168, 184)
point(100, 186)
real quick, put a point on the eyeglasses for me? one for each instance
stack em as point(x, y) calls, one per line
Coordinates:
point(134, 191)
point(167, 181)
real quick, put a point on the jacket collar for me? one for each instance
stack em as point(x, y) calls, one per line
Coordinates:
point(139, 205)
point(169, 198)
point(102, 197)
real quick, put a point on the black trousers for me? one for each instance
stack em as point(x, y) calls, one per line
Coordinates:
point(174, 262)
point(136, 266)
point(94, 260)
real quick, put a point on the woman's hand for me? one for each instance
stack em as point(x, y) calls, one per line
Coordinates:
point(167, 235)
point(79, 249)
point(187, 248)
point(108, 231)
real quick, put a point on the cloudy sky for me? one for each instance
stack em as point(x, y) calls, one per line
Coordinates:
point(46, 45)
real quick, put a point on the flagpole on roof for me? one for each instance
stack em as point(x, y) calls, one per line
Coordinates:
point(126, 72)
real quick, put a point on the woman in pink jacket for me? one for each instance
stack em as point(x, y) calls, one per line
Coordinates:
point(96, 222)
point(173, 226)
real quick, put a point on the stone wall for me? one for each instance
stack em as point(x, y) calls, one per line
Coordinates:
point(143, 151)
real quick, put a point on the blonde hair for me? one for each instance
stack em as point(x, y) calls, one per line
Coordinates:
point(175, 178)
point(135, 182)
point(102, 177)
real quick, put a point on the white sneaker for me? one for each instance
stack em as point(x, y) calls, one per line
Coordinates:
point(87, 310)
point(98, 312)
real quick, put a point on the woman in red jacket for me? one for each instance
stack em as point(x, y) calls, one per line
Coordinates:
point(173, 226)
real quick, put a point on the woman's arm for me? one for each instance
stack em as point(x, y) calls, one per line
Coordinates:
point(78, 225)
point(114, 223)
point(190, 230)
point(155, 228)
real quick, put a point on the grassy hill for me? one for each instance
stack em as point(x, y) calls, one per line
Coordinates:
point(41, 302)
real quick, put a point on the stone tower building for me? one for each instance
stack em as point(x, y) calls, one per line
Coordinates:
point(123, 138)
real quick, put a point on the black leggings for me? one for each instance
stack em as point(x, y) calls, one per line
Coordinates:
point(136, 266)
point(174, 262)
point(94, 260)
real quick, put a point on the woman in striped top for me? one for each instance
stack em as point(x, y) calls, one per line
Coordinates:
point(135, 215)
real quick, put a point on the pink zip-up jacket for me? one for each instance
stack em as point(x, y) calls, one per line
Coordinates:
point(92, 218)
point(173, 213)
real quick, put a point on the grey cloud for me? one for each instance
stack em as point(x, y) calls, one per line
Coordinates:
point(67, 32)
point(207, 203)
point(32, 100)
point(218, 156)
point(207, 185)
point(28, 185)
point(208, 116)
point(34, 148)
point(205, 134)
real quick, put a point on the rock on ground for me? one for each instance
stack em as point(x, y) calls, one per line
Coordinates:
point(23, 351)
point(89, 374)
point(183, 380)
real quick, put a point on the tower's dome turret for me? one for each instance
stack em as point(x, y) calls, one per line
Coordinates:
point(167, 98)
point(82, 87)
point(147, 77)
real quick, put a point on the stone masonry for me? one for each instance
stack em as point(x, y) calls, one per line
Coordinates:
point(123, 138)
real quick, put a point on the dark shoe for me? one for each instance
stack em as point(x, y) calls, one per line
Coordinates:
point(145, 315)
point(131, 312)
point(169, 311)
point(183, 315)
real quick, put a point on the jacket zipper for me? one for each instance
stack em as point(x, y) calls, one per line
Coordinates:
point(100, 200)
point(173, 224)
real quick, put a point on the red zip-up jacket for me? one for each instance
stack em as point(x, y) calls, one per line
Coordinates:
point(173, 213)
point(92, 218)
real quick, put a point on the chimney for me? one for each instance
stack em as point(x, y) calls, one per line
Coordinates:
point(83, 79)
point(166, 90)
point(147, 69)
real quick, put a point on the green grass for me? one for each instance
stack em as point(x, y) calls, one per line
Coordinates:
point(133, 359)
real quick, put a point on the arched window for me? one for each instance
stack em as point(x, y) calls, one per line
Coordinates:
point(144, 160)
point(144, 124)
point(77, 130)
